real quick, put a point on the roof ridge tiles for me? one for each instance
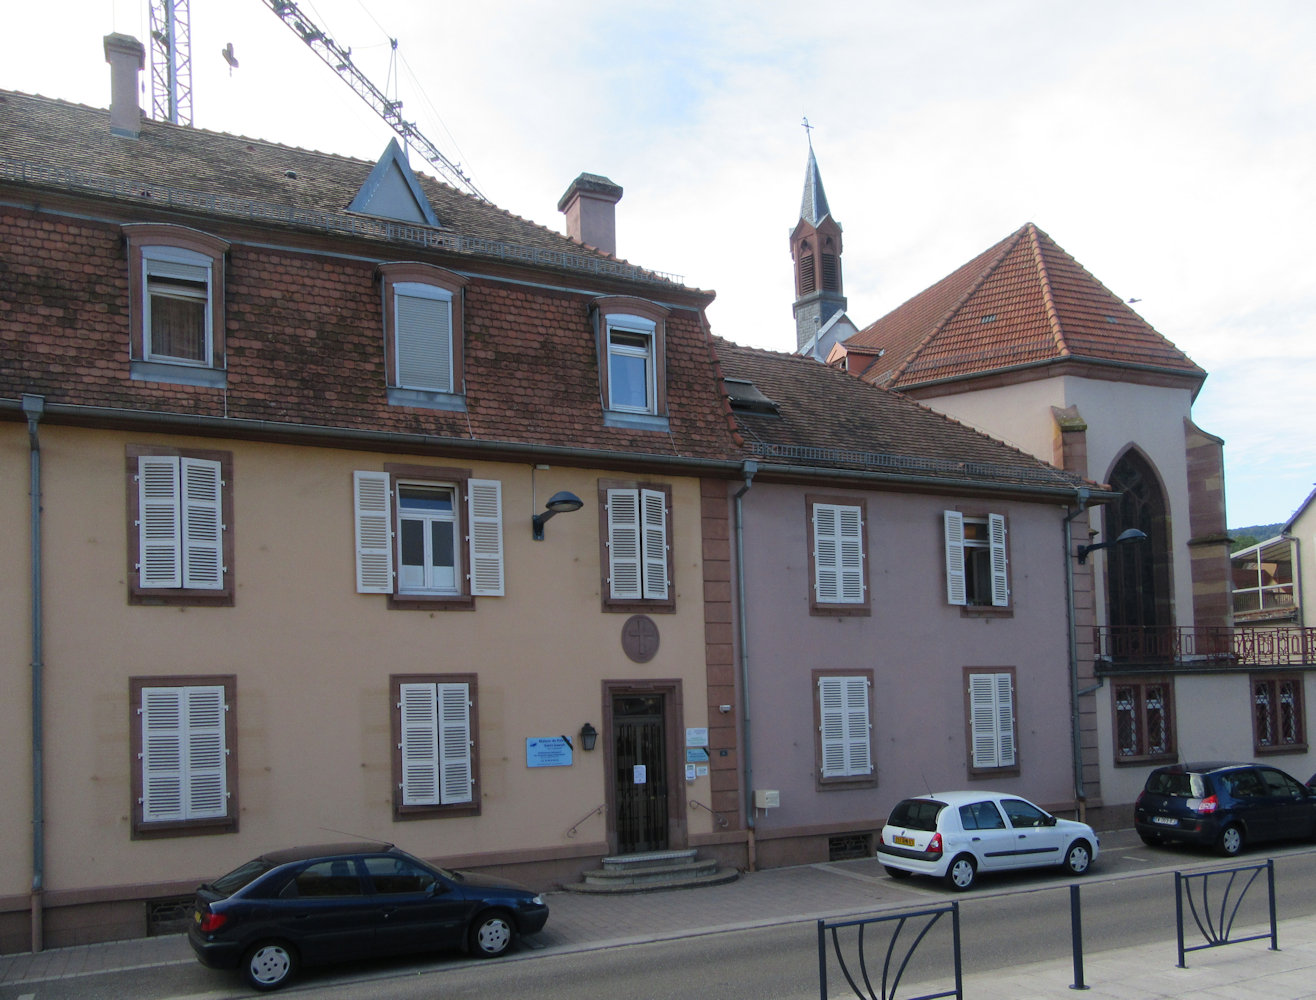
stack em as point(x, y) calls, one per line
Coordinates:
point(1048, 295)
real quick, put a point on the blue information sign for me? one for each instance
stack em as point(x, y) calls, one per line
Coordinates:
point(547, 751)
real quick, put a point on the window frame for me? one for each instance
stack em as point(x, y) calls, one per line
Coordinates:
point(1169, 752)
point(479, 534)
point(972, 716)
point(147, 242)
point(418, 280)
point(817, 606)
point(858, 778)
point(1274, 681)
point(629, 315)
point(143, 829)
point(222, 596)
point(471, 806)
point(630, 604)
point(1001, 602)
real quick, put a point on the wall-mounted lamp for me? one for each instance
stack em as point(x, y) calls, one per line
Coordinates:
point(588, 734)
point(558, 503)
point(1126, 536)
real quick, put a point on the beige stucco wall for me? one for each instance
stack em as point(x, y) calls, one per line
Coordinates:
point(312, 660)
point(1304, 530)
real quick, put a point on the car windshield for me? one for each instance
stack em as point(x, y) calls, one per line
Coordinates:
point(1176, 785)
point(241, 876)
point(917, 814)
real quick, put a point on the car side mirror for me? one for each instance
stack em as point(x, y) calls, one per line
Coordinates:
point(1050, 821)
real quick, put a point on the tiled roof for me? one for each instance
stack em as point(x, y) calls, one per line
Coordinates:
point(1022, 302)
point(52, 143)
point(827, 419)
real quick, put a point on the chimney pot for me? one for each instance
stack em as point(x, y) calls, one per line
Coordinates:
point(590, 207)
point(127, 59)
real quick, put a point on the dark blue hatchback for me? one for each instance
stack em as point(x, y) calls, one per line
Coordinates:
point(310, 905)
point(1223, 805)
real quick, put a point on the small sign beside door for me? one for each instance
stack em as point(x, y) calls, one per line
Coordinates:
point(547, 751)
point(639, 774)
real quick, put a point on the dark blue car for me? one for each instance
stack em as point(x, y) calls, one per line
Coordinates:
point(1223, 805)
point(310, 905)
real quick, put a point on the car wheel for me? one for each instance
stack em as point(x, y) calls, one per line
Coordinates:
point(492, 934)
point(1078, 858)
point(1231, 840)
point(1150, 839)
point(897, 872)
point(961, 873)
point(269, 965)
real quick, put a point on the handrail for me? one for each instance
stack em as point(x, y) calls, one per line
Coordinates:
point(1205, 647)
point(718, 818)
point(596, 811)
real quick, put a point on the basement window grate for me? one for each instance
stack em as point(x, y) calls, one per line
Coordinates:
point(850, 847)
point(168, 916)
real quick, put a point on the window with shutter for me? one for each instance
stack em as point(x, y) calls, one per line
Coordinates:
point(182, 742)
point(181, 505)
point(636, 531)
point(991, 720)
point(435, 728)
point(844, 727)
point(410, 533)
point(977, 570)
point(423, 335)
point(837, 529)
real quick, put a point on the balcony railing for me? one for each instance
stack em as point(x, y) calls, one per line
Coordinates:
point(1205, 647)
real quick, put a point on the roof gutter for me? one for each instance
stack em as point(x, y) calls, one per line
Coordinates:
point(1198, 376)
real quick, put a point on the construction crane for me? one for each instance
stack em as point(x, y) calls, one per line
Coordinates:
point(339, 60)
point(171, 61)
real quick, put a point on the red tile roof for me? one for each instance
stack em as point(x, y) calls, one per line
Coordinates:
point(1023, 302)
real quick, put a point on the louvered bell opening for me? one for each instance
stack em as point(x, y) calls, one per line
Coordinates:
point(831, 268)
point(808, 280)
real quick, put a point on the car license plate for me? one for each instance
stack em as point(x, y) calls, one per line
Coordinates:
point(1165, 820)
point(903, 841)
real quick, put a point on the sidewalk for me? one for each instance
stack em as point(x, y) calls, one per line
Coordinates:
point(805, 894)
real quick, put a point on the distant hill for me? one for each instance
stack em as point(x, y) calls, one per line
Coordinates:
point(1252, 533)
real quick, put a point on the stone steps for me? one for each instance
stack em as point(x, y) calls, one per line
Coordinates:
point(649, 872)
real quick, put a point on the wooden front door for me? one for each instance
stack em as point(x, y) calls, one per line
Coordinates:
point(639, 753)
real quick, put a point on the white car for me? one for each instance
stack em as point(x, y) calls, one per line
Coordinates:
point(956, 835)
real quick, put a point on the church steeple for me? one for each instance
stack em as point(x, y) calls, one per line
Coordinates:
point(816, 250)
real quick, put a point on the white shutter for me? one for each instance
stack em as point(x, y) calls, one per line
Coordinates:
point(653, 509)
point(1000, 575)
point(423, 331)
point(183, 754)
point(991, 713)
point(203, 527)
point(455, 742)
point(374, 533)
point(838, 554)
point(956, 588)
point(624, 544)
point(484, 506)
point(844, 726)
point(160, 555)
point(207, 788)
point(420, 745)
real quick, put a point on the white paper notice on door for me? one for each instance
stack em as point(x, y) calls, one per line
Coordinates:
point(641, 774)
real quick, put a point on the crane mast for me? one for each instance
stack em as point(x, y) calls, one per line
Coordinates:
point(171, 61)
point(339, 59)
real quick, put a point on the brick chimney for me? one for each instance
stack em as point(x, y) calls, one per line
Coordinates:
point(590, 208)
point(127, 59)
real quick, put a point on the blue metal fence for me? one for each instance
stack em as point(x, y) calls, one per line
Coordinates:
point(852, 953)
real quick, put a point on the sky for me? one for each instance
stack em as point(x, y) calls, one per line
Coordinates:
point(1168, 145)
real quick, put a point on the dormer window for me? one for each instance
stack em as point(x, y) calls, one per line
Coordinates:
point(632, 350)
point(422, 307)
point(176, 288)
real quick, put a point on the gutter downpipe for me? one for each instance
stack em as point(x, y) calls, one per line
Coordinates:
point(742, 637)
point(1080, 793)
point(33, 408)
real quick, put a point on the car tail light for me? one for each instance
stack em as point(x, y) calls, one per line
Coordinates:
point(211, 922)
point(934, 846)
point(1207, 805)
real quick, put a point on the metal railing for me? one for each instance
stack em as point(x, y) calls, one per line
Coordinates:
point(1206, 646)
point(1217, 925)
point(854, 962)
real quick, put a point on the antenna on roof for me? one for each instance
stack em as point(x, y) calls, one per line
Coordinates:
point(339, 59)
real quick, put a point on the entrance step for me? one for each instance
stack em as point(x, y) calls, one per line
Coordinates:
point(651, 871)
